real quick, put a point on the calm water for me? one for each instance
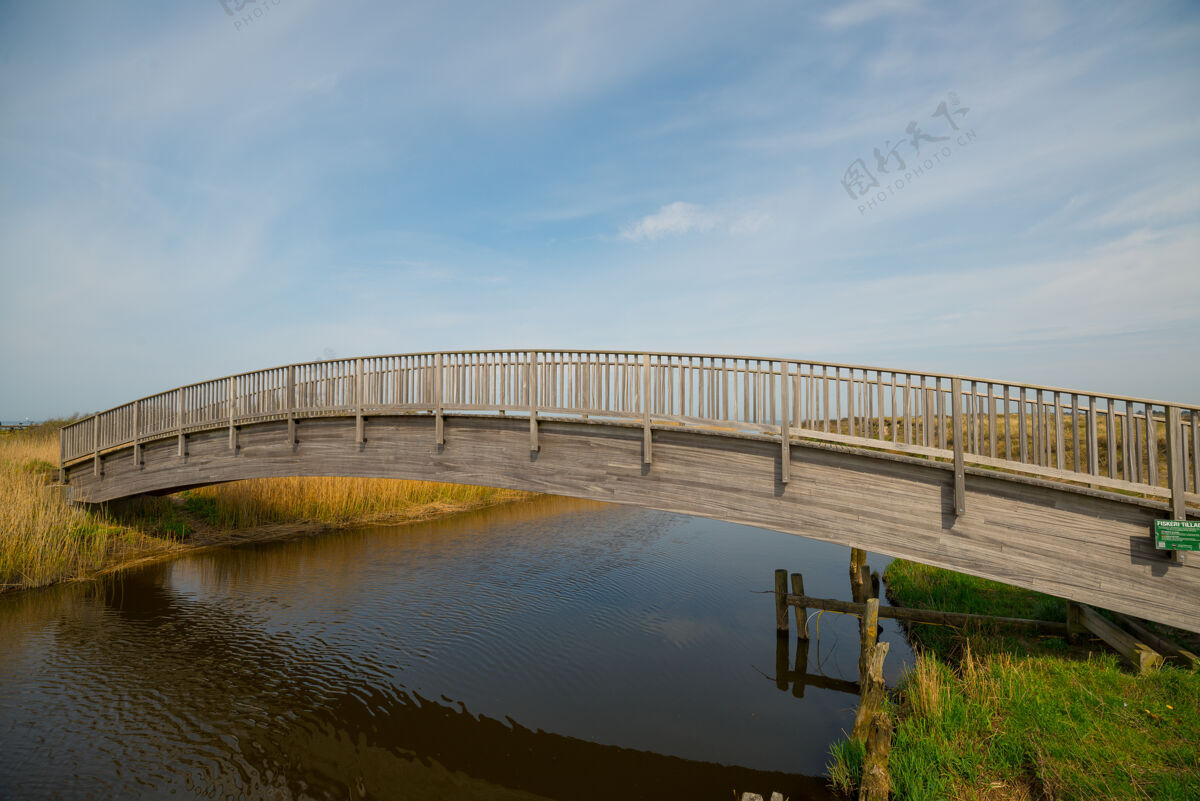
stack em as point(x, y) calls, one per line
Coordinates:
point(558, 649)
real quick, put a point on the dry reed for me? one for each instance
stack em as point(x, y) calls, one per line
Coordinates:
point(44, 539)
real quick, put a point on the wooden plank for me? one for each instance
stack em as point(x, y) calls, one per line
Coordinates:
point(926, 615)
point(1158, 643)
point(1142, 656)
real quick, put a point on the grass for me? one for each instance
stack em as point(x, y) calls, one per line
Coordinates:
point(985, 714)
point(334, 501)
point(44, 539)
point(1040, 448)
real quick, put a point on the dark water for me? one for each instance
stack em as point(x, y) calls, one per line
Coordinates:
point(558, 649)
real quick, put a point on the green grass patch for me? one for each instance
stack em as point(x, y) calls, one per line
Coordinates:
point(986, 713)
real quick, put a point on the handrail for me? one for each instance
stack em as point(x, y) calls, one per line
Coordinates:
point(1115, 442)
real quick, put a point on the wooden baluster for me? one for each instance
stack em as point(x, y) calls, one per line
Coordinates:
point(785, 430)
point(960, 493)
point(532, 382)
point(646, 438)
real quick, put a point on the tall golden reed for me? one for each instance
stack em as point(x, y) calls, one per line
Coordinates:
point(44, 539)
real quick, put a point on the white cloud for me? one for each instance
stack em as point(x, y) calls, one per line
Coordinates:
point(856, 13)
point(672, 219)
point(678, 218)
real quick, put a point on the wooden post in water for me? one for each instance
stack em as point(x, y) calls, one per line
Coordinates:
point(858, 558)
point(782, 674)
point(801, 611)
point(868, 633)
point(781, 606)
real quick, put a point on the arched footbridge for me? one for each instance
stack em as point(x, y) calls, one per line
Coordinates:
point(1046, 488)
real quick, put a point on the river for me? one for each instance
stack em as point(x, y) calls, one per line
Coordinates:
point(552, 649)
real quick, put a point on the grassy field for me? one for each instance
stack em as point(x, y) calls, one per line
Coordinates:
point(43, 539)
point(986, 714)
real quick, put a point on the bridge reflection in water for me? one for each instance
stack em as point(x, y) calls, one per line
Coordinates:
point(559, 649)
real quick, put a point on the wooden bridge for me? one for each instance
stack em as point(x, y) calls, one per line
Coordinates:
point(1042, 487)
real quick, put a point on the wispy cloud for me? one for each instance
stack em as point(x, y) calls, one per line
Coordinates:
point(672, 219)
point(861, 11)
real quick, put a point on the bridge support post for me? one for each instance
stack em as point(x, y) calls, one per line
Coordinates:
point(960, 477)
point(646, 437)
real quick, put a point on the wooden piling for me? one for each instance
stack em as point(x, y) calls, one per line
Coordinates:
point(876, 779)
point(781, 605)
point(801, 612)
point(873, 690)
point(868, 633)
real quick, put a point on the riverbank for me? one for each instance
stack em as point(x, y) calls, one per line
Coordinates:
point(985, 713)
point(45, 540)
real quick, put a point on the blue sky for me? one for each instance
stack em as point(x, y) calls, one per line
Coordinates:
point(186, 194)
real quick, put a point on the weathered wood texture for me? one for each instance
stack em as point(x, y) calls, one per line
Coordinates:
point(1019, 532)
point(862, 609)
point(1142, 656)
point(1127, 444)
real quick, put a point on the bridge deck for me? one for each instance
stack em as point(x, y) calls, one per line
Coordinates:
point(1050, 489)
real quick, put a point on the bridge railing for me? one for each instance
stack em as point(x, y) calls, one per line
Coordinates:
point(1114, 442)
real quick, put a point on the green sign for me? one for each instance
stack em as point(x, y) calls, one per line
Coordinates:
point(1177, 535)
